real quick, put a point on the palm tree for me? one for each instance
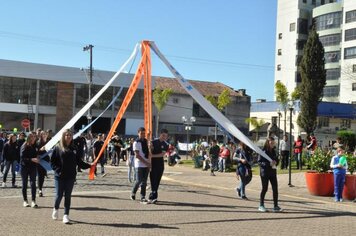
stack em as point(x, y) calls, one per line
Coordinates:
point(160, 99)
point(257, 124)
point(220, 102)
point(282, 94)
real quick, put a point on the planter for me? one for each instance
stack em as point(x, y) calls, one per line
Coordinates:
point(320, 184)
point(349, 192)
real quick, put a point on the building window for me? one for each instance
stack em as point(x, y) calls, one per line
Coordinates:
point(313, 2)
point(331, 57)
point(323, 121)
point(331, 91)
point(333, 74)
point(345, 124)
point(292, 27)
point(330, 40)
point(350, 53)
point(274, 120)
point(353, 86)
point(322, 2)
point(328, 21)
point(303, 26)
point(298, 60)
point(280, 36)
point(175, 100)
point(298, 78)
point(301, 43)
point(350, 34)
point(48, 93)
point(354, 68)
point(304, 1)
point(279, 67)
point(279, 52)
point(350, 16)
point(199, 112)
point(18, 90)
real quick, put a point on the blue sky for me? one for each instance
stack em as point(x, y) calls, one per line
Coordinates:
point(230, 41)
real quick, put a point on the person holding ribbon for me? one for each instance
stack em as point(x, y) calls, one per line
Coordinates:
point(268, 173)
point(64, 162)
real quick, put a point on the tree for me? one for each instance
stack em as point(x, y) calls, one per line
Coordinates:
point(257, 124)
point(220, 102)
point(160, 99)
point(312, 70)
point(282, 94)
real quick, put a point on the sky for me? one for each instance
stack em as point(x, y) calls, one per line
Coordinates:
point(229, 41)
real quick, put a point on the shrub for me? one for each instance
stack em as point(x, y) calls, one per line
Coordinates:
point(320, 161)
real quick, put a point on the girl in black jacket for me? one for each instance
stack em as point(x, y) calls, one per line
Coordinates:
point(28, 160)
point(268, 172)
point(11, 154)
point(64, 162)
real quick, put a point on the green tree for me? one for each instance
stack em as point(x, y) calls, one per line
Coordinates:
point(312, 70)
point(160, 99)
point(220, 102)
point(257, 124)
point(282, 94)
point(348, 138)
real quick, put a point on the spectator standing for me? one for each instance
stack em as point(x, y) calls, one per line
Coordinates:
point(284, 149)
point(42, 172)
point(214, 156)
point(11, 155)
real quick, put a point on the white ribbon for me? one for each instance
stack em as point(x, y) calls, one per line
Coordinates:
point(77, 116)
point(208, 107)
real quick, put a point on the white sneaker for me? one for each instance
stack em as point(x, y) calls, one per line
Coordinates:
point(66, 219)
point(3, 185)
point(33, 204)
point(55, 214)
point(25, 204)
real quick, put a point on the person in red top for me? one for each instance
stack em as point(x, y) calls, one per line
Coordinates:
point(223, 155)
point(298, 150)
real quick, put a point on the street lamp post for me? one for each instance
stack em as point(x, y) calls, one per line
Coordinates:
point(291, 107)
point(188, 126)
point(90, 49)
point(279, 129)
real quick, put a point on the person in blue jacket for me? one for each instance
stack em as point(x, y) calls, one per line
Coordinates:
point(339, 165)
point(64, 162)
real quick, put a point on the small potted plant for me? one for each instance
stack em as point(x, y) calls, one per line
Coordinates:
point(350, 181)
point(320, 180)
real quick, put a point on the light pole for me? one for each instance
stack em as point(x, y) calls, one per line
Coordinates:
point(90, 49)
point(279, 129)
point(188, 126)
point(291, 107)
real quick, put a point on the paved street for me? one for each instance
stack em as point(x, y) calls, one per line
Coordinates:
point(191, 203)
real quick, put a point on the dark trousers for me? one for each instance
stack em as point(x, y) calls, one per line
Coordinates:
point(273, 179)
point(214, 164)
point(63, 186)
point(155, 176)
point(25, 173)
point(8, 165)
point(41, 176)
point(285, 159)
point(339, 181)
point(141, 181)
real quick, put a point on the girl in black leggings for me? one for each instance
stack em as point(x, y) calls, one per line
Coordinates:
point(268, 173)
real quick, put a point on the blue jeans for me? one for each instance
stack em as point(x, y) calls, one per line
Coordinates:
point(9, 164)
point(131, 167)
point(242, 174)
point(339, 181)
point(141, 181)
point(63, 186)
point(25, 173)
point(222, 164)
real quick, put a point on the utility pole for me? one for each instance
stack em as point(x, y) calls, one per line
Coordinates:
point(90, 49)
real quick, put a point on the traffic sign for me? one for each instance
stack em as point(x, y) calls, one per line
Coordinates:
point(25, 123)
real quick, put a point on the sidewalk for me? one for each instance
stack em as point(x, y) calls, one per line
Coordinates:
point(227, 181)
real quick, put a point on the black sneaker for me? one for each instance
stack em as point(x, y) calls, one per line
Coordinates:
point(133, 197)
point(244, 198)
point(277, 209)
point(144, 201)
point(238, 190)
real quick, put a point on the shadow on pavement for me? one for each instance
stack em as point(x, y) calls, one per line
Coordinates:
point(142, 226)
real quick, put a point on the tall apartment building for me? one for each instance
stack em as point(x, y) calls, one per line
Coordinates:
point(336, 25)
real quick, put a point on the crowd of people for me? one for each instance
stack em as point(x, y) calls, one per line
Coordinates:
point(25, 153)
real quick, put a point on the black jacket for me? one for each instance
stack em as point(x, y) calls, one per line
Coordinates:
point(64, 163)
point(27, 152)
point(265, 166)
point(11, 152)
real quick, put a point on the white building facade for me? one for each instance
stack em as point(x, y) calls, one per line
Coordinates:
point(336, 25)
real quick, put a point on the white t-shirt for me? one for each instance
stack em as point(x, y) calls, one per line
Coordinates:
point(138, 147)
